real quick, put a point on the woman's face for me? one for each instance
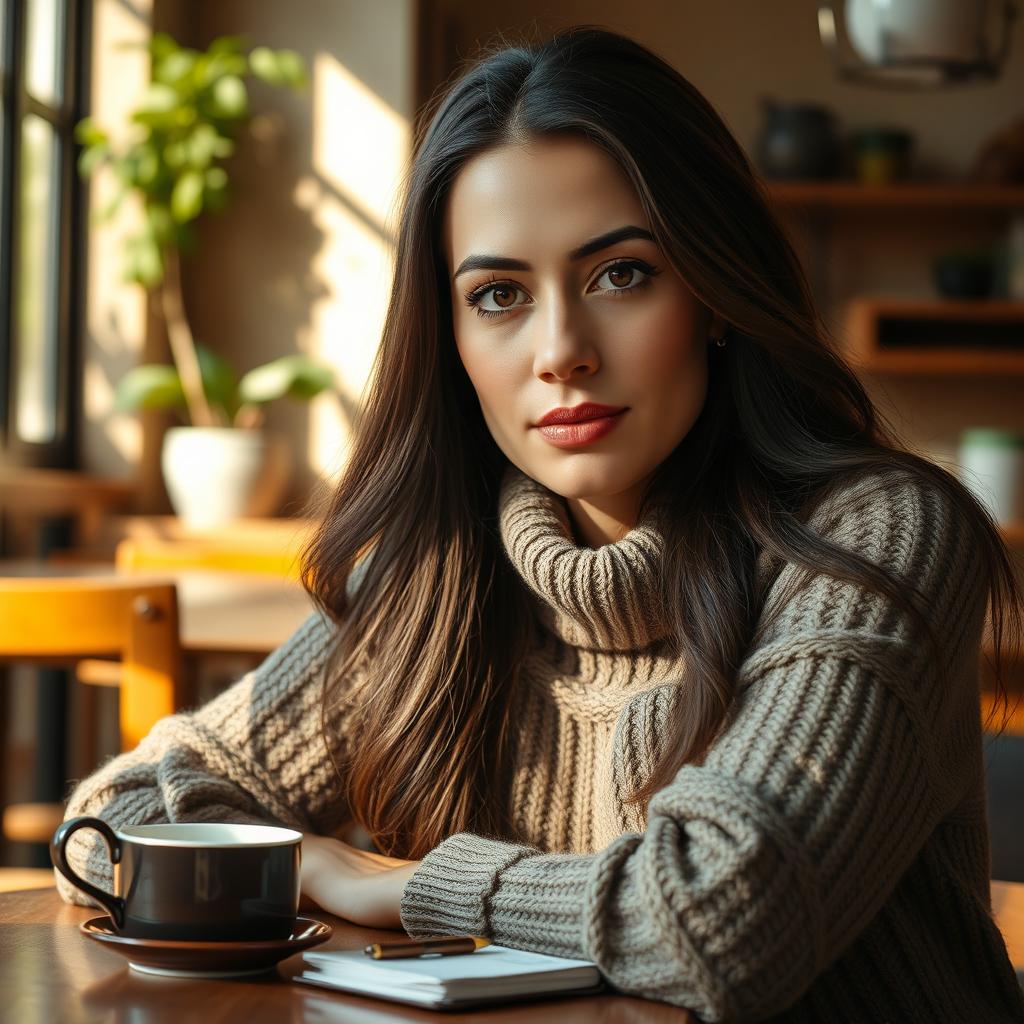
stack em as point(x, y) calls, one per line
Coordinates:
point(575, 318)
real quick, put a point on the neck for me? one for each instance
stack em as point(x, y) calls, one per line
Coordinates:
point(604, 520)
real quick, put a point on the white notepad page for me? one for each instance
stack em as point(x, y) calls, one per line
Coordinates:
point(492, 969)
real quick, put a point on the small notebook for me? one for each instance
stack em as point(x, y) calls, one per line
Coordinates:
point(491, 974)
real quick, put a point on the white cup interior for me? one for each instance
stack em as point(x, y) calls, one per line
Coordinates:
point(209, 834)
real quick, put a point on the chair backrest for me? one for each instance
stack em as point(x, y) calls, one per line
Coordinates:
point(280, 558)
point(65, 619)
point(1010, 719)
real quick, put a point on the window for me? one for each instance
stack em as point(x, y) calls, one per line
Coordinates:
point(40, 50)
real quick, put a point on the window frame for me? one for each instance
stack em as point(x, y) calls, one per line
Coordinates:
point(61, 451)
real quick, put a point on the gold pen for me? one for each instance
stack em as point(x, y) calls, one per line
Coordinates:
point(445, 945)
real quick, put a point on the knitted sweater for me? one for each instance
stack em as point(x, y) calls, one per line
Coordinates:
point(827, 861)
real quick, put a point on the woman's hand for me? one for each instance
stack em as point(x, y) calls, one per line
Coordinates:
point(359, 885)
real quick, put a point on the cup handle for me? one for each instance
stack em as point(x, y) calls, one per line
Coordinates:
point(114, 905)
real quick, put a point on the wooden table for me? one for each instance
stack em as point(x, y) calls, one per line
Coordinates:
point(220, 612)
point(49, 971)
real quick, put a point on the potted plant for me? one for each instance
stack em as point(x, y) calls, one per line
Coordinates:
point(221, 465)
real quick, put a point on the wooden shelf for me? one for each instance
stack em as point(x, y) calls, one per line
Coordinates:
point(1013, 533)
point(1009, 310)
point(918, 195)
point(937, 336)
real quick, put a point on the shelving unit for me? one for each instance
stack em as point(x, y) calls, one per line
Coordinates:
point(936, 336)
point(838, 195)
point(905, 339)
point(904, 335)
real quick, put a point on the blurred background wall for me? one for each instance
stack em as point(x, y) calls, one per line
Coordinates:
point(302, 258)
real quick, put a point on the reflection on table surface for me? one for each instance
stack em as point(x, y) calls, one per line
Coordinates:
point(50, 972)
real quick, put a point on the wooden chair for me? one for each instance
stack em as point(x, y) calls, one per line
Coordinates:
point(1014, 713)
point(80, 620)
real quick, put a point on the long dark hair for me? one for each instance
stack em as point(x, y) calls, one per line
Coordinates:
point(439, 622)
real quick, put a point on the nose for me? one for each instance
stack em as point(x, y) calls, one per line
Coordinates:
point(564, 348)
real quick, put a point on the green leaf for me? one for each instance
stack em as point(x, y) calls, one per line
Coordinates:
point(263, 62)
point(292, 68)
point(161, 224)
point(175, 154)
point(158, 99)
point(187, 197)
point(162, 46)
point(88, 133)
point(215, 195)
point(201, 146)
point(175, 67)
point(229, 97)
point(226, 45)
point(219, 379)
point(296, 376)
point(278, 67)
point(91, 158)
point(153, 386)
point(216, 178)
point(147, 166)
point(144, 264)
point(223, 147)
point(106, 213)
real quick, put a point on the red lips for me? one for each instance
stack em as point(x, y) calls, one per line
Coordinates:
point(581, 425)
point(579, 413)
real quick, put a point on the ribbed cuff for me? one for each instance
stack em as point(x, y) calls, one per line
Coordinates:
point(450, 891)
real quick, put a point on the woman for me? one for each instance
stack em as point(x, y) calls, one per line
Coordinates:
point(640, 639)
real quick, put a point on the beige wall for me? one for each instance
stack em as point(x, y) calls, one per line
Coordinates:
point(737, 51)
point(114, 332)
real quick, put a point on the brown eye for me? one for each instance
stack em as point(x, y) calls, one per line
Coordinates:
point(625, 277)
point(508, 293)
point(621, 275)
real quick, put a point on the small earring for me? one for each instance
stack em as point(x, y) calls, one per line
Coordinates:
point(720, 342)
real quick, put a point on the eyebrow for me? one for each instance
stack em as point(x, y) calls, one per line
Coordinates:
point(484, 262)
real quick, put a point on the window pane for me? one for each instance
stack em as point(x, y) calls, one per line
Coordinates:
point(4, 12)
point(44, 47)
point(36, 329)
point(3, 208)
point(3, 184)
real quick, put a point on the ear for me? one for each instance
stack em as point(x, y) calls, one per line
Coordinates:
point(717, 326)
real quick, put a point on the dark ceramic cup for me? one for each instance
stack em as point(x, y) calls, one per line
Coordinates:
point(196, 882)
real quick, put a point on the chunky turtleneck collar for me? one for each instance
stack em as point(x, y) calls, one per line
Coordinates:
point(606, 598)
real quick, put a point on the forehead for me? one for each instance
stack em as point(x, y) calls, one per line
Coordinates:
point(524, 198)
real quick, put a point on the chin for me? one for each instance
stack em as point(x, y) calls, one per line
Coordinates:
point(583, 477)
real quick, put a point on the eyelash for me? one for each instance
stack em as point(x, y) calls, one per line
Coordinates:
point(473, 298)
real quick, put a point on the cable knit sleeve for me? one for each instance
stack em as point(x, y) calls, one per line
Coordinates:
point(759, 866)
point(253, 754)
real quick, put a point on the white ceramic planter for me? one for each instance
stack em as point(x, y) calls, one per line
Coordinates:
point(218, 474)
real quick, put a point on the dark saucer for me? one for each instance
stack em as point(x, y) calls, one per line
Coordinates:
point(182, 959)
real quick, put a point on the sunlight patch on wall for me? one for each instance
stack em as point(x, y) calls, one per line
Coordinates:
point(360, 152)
point(115, 311)
point(360, 143)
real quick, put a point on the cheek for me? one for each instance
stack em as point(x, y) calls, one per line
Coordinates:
point(492, 375)
point(671, 351)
